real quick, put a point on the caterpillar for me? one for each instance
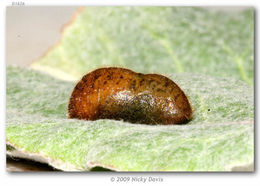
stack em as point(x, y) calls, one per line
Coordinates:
point(122, 94)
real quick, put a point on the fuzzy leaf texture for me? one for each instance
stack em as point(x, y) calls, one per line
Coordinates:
point(155, 40)
point(219, 137)
point(209, 55)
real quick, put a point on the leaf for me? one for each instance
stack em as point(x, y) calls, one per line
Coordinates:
point(207, 54)
point(160, 40)
point(219, 138)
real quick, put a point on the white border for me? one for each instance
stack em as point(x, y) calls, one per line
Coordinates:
point(101, 178)
point(137, 2)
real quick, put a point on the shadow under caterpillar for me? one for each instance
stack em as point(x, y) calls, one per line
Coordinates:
point(121, 94)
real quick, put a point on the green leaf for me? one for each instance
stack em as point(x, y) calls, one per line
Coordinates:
point(209, 55)
point(160, 40)
point(219, 138)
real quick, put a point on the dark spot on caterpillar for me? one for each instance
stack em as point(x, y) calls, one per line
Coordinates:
point(153, 86)
point(132, 86)
point(91, 86)
point(176, 96)
point(96, 76)
point(109, 77)
point(166, 83)
point(208, 109)
point(150, 81)
point(141, 82)
point(172, 89)
point(129, 96)
point(77, 87)
point(160, 90)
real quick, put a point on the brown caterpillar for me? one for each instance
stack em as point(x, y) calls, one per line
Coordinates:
point(121, 94)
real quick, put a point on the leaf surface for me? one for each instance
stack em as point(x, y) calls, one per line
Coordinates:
point(162, 40)
point(219, 137)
